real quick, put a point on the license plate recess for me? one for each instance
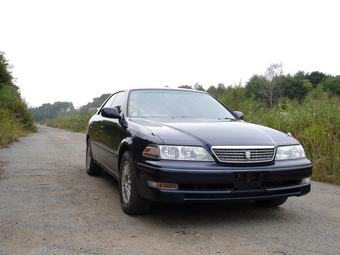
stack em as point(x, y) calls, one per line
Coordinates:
point(249, 180)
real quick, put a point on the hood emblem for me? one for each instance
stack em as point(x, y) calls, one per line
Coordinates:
point(248, 154)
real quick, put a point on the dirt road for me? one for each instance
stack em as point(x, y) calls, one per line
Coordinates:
point(49, 205)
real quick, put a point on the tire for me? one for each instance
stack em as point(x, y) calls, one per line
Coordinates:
point(272, 202)
point(91, 167)
point(132, 203)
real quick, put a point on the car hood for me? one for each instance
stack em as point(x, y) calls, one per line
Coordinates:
point(215, 133)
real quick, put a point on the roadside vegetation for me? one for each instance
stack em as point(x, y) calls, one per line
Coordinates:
point(16, 119)
point(63, 115)
point(307, 105)
point(76, 123)
point(314, 122)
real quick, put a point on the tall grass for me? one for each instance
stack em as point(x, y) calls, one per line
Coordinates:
point(315, 123)
point(76, 123)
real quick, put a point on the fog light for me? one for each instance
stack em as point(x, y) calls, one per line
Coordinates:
point(162, 185)
point(305, 180)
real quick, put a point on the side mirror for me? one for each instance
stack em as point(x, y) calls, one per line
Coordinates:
point(239, 114)
point(111, 113)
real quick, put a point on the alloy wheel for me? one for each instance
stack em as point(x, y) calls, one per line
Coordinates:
point(126, 182)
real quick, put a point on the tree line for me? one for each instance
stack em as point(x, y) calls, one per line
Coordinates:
point(72, 119)
point(273, 85)
point(57, 109)
point(266, 89)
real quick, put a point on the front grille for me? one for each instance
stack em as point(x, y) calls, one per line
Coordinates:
point(242, 154)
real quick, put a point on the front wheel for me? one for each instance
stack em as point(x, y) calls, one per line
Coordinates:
point(272, 202)
point(131, 202)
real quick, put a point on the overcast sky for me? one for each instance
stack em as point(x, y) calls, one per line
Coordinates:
point(76, 50)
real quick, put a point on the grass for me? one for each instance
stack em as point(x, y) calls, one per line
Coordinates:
point(316, 125)
point(76, 123)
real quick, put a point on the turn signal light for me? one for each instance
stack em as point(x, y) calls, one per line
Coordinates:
point(305, 180)
point(162, 185)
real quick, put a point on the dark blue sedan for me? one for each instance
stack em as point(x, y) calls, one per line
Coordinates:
point(177, 146)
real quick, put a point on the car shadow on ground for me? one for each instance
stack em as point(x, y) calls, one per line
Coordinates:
point(215, 213)
point(207, 212)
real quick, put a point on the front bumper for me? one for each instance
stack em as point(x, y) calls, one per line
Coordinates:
point(211, 182)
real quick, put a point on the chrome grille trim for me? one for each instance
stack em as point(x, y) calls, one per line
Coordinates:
point(237, 154)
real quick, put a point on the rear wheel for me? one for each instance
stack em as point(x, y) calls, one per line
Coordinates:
point(272, 202)
point(91, 167)
point(131, 201)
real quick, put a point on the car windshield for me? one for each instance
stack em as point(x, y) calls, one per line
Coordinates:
point(164, 103)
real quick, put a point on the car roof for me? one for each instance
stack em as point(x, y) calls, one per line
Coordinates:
point(166, 88)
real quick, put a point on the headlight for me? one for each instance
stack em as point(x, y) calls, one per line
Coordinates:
point(177, 153)
point(290, 152)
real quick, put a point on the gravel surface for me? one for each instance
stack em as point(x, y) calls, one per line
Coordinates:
point(49, 205)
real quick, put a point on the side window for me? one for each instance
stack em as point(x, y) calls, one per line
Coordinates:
point(118, 102)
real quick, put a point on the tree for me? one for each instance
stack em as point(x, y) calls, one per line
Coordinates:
point(316, 77)
point(275, 84)
point(96, 103)
point(212, 91)
point(296, 86)
point(185, 87)
point(220, 89)
point(307, 84)
point(15, 118)
point(50, 111)
point(332, 84)
point(253, 88)
point(60, 108)
point(198, 87)
point(301, 75)
point(234, 97)
point(5, 73)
